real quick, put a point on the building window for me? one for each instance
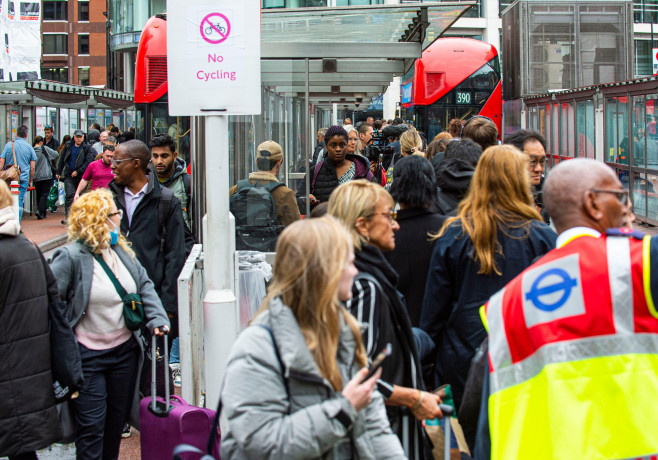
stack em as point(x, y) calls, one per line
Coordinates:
point(83, 11)
point(645, 11)
point(55, 44)
point(83, 76)
point(643, 58)
point(83, 44)
point(55, 10)
point(60, 74)
point(307, 3)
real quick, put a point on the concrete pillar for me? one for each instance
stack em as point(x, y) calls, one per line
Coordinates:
point(128, 72)
point(391, 99)
point(493, 23)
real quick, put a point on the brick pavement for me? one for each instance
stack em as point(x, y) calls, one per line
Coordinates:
point(40, 231)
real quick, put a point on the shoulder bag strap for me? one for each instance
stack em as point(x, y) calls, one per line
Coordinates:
point(13, 152)
point(117, 285)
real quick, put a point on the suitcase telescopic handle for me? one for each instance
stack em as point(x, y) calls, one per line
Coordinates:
point(447, 412)
point(154, 356)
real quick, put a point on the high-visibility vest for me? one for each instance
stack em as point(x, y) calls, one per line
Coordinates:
point(573, 353)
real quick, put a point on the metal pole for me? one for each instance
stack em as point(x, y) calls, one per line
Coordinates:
point(309, 171)
point(221, 319)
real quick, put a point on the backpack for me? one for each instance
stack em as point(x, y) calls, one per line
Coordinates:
point(256, 222)
point(163, 210)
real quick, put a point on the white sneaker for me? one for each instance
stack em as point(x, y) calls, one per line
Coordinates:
point(176, 374)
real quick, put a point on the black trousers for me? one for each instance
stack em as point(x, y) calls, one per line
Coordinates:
point(42, 188)
point(104, 403)
point(25, 456)
point(70, 186)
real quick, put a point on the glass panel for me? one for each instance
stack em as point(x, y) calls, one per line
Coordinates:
point(64, 127)
point(83, 44)
point(60, 74)
point(643, 58)
point(651, 132)
point(652, 196)
point(83, 76)
point(381, 24)
point(55, 44)
point(55, 10)
point(40, 120)
point(83, 125)
point(645, 11)
point(555, 129)
point(616, 136)
point(585, 136)
point(83, 11)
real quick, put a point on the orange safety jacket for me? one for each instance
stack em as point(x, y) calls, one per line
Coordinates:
point(573, 353)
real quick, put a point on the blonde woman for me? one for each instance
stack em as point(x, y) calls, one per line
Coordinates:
point(294, 384)
point(411, 143)
point(110, 352)
point(496, 234)
point(366, 210)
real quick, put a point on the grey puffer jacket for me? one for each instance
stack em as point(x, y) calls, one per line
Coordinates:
point(263, 423)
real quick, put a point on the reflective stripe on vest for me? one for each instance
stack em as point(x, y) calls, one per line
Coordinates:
point(574, 369)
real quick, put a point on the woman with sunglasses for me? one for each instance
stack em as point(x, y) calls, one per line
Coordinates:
point(99, 171)
point(366, 209)
point(111, 353)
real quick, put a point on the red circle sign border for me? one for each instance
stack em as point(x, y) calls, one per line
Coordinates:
point(206, 19)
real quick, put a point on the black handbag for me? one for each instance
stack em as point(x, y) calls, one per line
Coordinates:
point(133, 310)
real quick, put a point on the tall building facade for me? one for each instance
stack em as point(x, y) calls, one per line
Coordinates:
point(74, 42)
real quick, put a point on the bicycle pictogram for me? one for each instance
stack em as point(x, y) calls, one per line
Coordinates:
point(215, 28)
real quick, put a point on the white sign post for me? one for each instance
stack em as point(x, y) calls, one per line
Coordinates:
point(213, 66)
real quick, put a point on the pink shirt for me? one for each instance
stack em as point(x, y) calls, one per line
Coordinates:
point(99, 173)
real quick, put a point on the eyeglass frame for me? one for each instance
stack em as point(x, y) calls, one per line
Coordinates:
point(116, 162)
point(391, 215)
point(617, 192)
point(533, 162)
point(118, 211)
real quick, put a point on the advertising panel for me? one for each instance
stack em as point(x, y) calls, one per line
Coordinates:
point(20, 33)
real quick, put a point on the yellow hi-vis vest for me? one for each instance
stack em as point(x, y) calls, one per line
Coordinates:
point(573, 354)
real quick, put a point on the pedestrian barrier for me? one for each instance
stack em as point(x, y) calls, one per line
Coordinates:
point(191, 291)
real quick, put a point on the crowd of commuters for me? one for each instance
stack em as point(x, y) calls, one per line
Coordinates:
point(447, 264)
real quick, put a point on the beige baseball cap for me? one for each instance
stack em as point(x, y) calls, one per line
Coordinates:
point(269, 150)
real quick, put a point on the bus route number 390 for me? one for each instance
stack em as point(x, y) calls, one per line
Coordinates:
point(463, 97)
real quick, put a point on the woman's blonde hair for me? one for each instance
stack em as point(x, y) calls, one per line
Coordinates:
point(5, 195)
point(499, 196)
point(310, 258)
point(411, 143)
point(88, 221)
point(354, 199)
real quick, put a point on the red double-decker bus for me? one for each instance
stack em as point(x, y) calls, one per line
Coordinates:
point(454, 78)
point(151, 104)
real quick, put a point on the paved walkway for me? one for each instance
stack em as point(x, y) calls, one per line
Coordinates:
point(41, 231)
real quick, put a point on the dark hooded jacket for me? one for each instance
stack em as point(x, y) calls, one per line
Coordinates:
point(163, 265)
point(28, 417)
point(181, 184)
point(86, 156)
point(326, 180)
point(453, 176)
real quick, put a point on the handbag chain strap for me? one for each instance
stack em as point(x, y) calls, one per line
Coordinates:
point(117, 285)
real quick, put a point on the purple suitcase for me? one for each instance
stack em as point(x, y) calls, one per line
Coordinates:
point(164, 426)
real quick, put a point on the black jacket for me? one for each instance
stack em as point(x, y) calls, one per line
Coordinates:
point(412, 253)
point(381, 307)
point(86, 156)
point(453, 176)
point(454, 293)
point(28, 418)
point(163, 266)
point(327, 179)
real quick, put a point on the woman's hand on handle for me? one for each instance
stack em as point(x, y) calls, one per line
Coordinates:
point(429, 407)
point(357, 393)
point(162, 330)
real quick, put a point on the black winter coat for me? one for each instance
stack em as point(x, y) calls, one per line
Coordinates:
point(453, 176)
point(86, 156)
point(412, 253)
point(162, 266)
point(454, 293)
point(382, 309)
point(327, 179)
point(28, 418)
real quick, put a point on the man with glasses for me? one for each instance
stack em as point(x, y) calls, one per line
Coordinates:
point(99, 172)
point(575, 334)
point(532, 144)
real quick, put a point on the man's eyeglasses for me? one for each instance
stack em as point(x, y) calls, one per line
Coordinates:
point(534, 162)
point(118, 212)
point(622, 195)
point(116, 162)
point(392, 215)
point(108, 147)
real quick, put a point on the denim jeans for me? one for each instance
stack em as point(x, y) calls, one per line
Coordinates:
point(22, 190)
point(174, 354)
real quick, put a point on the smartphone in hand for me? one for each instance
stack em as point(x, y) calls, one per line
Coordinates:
point(379, 361)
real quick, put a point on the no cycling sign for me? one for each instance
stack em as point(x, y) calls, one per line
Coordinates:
point(213, 57)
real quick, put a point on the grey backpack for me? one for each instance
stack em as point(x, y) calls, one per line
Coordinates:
point(256, 222)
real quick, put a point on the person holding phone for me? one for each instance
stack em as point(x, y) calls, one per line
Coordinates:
point(294, 385)
point(366, 210)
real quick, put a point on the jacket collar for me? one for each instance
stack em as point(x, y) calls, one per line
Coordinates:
point(293, 349)
point(410, 213)
point(263, 176)
point(9, 224)
point(152, 188)
point(371, 260)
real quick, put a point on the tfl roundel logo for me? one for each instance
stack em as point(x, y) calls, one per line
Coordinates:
point(553, 291)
